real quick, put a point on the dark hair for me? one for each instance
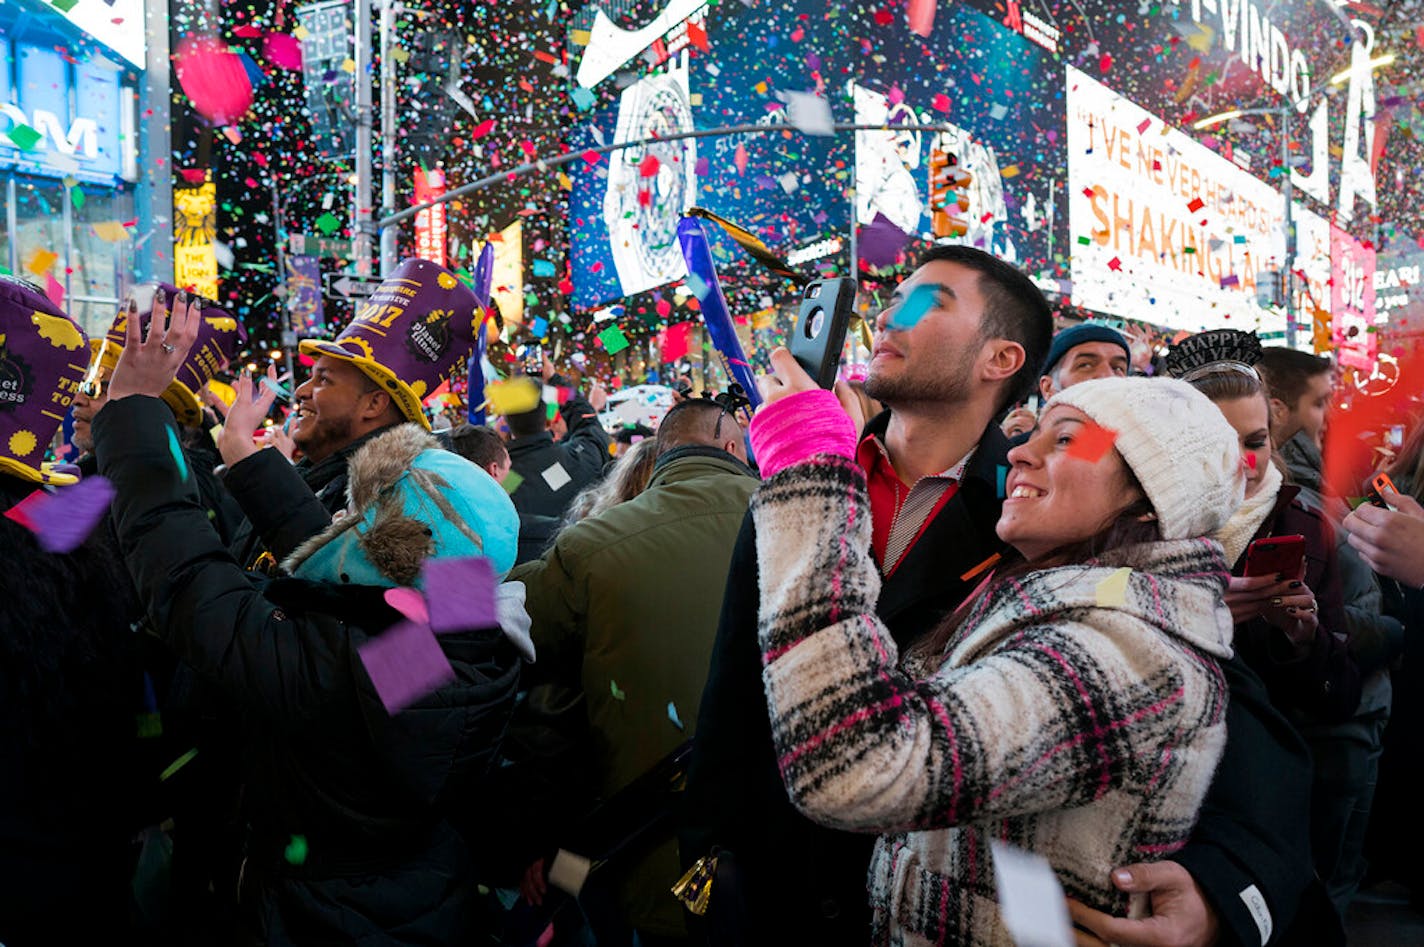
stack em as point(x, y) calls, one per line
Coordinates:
point(1287, 373)
point(478, 444)
point(1014, 309)
point(525, 423)
point(688, 422)
point(1127, 530)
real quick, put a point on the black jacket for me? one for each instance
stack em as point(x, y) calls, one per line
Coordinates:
point(367, 792)
point(70, 779)
point(804, 883)
point(801, 883)
point(1322, 683)
point(582, 454)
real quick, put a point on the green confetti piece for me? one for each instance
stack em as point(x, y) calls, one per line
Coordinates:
point(296, 851)
point(617, 691)
point(150, 726)
point(76, 196)
point(177, 764)
point(177, 452)
point(551, 410)
point(1083, 241)
point(613, 339)
point(64, 6)
point(327, 223)
point(25, 137)
point(511, 482)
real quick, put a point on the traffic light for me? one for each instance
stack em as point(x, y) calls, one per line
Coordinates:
point(949, 195)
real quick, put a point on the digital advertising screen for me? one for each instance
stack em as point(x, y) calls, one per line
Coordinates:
point(786, 188)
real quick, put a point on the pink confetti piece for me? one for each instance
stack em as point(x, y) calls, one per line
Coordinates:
point(410, 603)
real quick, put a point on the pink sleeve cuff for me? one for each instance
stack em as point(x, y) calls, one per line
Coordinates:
point(799, 427)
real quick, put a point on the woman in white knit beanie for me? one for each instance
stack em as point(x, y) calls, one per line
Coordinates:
point(1073, 707)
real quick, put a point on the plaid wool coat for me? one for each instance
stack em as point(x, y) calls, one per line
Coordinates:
point(1068, 719)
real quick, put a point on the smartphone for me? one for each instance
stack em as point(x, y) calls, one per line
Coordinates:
point(1394, 437)
point(821, 327)
point(1277, 555)
point(1378, 486)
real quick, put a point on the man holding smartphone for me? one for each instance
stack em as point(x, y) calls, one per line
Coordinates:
point(971, 344)
point(980, 330)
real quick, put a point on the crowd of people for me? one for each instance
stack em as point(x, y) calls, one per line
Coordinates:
point(790, 676)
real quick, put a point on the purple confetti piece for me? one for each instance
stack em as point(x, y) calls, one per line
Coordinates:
point(61, 521)
point(460, 594)
point(881, 242)
point(405, 664)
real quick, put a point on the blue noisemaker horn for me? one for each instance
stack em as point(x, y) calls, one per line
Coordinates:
point(698, 254)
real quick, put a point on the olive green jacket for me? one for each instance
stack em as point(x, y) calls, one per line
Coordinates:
point(633, 596)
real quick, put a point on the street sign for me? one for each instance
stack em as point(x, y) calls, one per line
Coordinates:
point(306, 244)
point(352, 287)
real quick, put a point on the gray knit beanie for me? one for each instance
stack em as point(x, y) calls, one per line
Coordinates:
point(1178, 444)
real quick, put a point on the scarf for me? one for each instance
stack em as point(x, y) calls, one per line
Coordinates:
point(1242, 527)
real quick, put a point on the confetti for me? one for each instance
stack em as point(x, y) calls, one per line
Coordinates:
point(24, 137)
point(175, 450)
point(809, 113)
point(913, 307)
point(460, 593)
point(617, 691)
point(296, 851)
point(515, 396)
point(556, 476)
point(62, 520)
point(1112, 591)
point(405, 664)
point(672, 715)
point(40, 261)
point(1091, 442)
point(613, 339)
point(176, 765)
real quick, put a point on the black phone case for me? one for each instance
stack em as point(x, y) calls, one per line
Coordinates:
point(821, 355)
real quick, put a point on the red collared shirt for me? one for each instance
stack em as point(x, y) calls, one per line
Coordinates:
point(900, 512)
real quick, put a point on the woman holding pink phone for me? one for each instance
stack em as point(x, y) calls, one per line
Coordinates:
point(1287, 607)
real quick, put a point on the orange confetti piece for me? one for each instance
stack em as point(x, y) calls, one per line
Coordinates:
point(1092, 442)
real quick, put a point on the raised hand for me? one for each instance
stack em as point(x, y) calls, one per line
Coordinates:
point(148, 366)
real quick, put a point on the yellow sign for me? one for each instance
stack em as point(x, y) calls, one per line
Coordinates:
point(195, 227)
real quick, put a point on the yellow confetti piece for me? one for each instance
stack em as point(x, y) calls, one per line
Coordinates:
point(40, 261)
point(565, 182)
point(515, 396)
point(1012, 171)
point(400, 55)
point(580, 37)
point(300, 32)
point(177, 764)
point(1112, 591)
point(110, 230)
point(349, 66)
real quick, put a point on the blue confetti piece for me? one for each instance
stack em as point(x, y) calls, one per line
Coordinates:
point(1003, 481)
point(543, 268)
point(908, 313)
point(276, 389)
point(672, 715)
point(698, 285)
point(177, 452)
point(583, 99)
point(540, 327)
